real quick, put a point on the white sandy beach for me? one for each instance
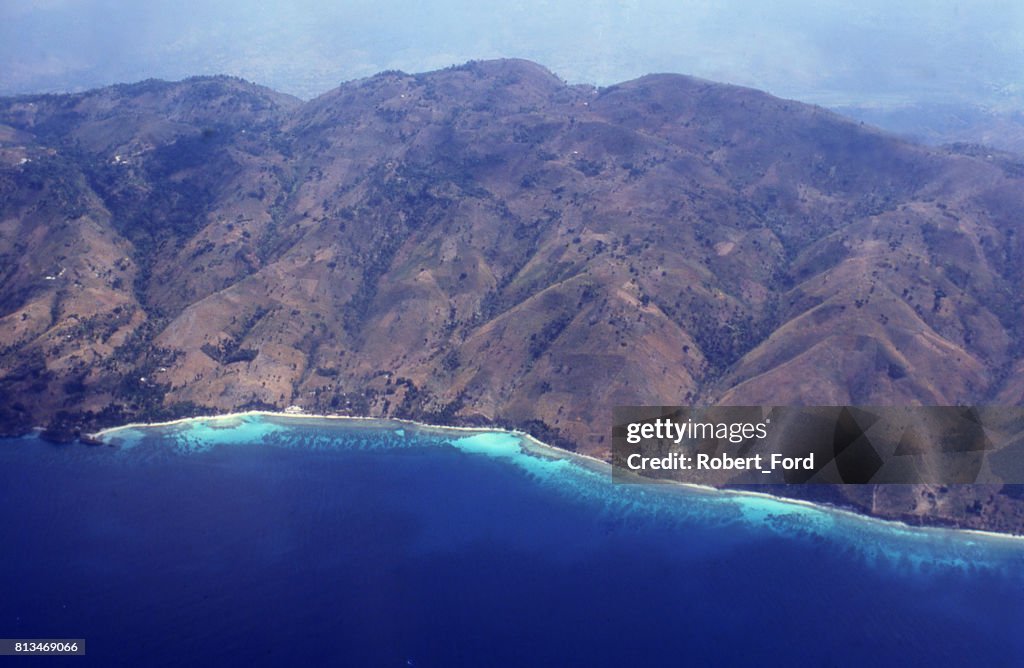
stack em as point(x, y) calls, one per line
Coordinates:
point(557, 453)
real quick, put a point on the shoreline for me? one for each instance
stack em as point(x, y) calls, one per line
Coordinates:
point(559, 453)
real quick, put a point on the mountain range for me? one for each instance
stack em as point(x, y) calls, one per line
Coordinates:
point(488, 245)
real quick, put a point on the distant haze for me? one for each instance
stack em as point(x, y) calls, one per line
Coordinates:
point(864, 53)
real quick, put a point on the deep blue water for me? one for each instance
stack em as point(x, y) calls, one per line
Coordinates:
point(266, 541)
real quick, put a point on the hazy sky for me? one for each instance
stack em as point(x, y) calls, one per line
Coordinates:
point(864, 52)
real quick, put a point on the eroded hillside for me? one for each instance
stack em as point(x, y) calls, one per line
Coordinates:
point(488, 245)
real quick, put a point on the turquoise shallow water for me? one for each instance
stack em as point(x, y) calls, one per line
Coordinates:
point(264, 540)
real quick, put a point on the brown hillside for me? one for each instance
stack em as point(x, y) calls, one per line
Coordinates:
point(486, 244)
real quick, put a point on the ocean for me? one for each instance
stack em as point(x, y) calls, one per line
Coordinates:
point(262, 540)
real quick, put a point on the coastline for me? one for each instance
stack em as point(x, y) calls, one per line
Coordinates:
point(593, 463)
